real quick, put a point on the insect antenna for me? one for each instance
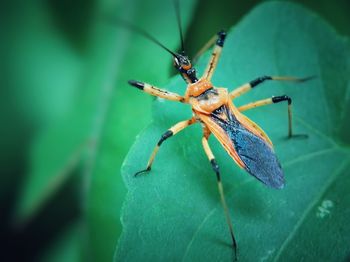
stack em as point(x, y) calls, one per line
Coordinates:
point(142, 32)
point(178, 18)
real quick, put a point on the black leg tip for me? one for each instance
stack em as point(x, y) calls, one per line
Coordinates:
point(142, 171)
point(235, 253)
point(222, 34)
point(277, 99)
point(305, 79)
point(259, 80)
point(137, 84)
point(221, 38)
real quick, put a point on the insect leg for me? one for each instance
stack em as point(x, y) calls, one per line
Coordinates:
point(268, 101)
point(207, 45)
point(209, 71)
point(170, 132)
point(154, 91)
point(215, 167)
point(249, 86)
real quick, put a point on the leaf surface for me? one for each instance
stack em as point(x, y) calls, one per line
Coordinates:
point(174, 213)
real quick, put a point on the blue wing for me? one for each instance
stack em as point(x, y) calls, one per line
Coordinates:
point(258, 157)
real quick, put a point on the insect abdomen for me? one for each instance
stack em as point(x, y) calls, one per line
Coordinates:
point(256, 154)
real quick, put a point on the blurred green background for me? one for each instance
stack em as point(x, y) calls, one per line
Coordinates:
point(68, 116)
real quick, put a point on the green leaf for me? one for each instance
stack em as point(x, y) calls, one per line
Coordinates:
point(95, 125)
point(174, 213)
point(58, 148)
point(45, 93)
point(128, 112)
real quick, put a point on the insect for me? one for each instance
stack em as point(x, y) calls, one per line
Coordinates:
point(214, 108)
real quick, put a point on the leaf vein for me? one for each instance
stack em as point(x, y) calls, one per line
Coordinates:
point(309, 156)
point(336, 173)
point(346, 100)
point(196, 232)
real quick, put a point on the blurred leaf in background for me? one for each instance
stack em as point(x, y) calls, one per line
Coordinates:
point(41, 74)
point(174, 213)
point(129, 111)
point(98, 120)
point(212, 16)
point(68, 117)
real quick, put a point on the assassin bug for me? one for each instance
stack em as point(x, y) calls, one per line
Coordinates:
point(213, 107)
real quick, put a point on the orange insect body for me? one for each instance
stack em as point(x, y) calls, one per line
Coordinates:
point(244, 140)
point(204, 105)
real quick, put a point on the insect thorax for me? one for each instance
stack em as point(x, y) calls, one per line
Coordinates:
point(198, 88)
point(204, 97)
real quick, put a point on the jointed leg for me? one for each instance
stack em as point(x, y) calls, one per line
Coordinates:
point(249, 86)
point(209, 71)
point(170, 132)
point(205, 47)
point(154, 91)
point(215, 166)
point(268, 101)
